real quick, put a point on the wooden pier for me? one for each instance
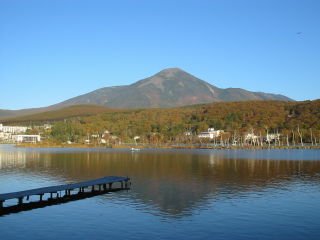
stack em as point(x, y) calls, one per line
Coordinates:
point(61, 193)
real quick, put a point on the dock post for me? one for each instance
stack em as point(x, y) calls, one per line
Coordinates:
point(110, 186)
point(1, 204)
point(92, 190)
point(20, 200)
point(99, 187)
point(121, 184)
point(51, 195)
point(41, 195)
point(104, 187)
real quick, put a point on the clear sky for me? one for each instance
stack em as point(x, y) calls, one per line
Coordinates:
point(52, 50)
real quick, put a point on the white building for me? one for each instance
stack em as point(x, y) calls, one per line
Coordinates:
point(12, 129)
point(5, 136)
point(211, 133)
point(272, 137)
point(26, 138)
point(47, 126)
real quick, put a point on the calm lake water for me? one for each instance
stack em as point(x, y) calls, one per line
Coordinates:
point(176, 194)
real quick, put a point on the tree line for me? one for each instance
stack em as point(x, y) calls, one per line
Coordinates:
point(292, 122)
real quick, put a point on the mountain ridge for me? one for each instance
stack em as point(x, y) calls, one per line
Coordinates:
point(171, 87)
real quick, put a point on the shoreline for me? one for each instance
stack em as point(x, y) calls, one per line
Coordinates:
point(173, 146)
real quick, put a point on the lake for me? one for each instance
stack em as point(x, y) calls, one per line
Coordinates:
point(175, 194)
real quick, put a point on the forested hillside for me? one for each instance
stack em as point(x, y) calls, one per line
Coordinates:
point(291, 119)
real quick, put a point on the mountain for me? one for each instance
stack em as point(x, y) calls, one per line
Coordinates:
point(170, 87)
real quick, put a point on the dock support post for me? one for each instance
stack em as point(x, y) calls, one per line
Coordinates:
point(92, 190)
point(20, 200)
point(104, 187)
point(51, 195)
point(1, 204)
point(41, 195)
point(110, 186)
point(121, 184)
point(99, 187)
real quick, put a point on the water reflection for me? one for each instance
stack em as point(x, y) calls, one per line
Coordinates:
point(173, 182)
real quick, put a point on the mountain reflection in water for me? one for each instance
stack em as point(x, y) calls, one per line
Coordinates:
point(175, 182)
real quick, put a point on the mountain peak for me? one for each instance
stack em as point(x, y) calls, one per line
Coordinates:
point(169, 73)
point(171, 70)
point(167, 77)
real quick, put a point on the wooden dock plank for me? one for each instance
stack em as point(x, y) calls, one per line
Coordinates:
point(54, 189)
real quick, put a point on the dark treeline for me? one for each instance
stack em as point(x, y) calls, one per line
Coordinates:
point(294, 122)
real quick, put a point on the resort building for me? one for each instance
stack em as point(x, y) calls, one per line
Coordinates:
point(211, 133)
point(26, 138)
point(12, 129)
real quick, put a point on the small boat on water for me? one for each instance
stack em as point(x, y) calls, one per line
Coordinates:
point(135, 149)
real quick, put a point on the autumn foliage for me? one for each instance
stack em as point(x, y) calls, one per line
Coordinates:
point(170, 125)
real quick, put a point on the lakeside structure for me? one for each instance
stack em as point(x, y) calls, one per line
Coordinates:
point(211, 133)
point(26, 138)
point(64, 192)
point(17, 134)
point(12, 129)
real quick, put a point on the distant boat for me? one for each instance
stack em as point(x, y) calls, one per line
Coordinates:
point(135, 149)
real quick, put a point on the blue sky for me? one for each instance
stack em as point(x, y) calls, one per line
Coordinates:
point(52, 50)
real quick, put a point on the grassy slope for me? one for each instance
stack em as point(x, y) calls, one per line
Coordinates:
point(64, 113)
